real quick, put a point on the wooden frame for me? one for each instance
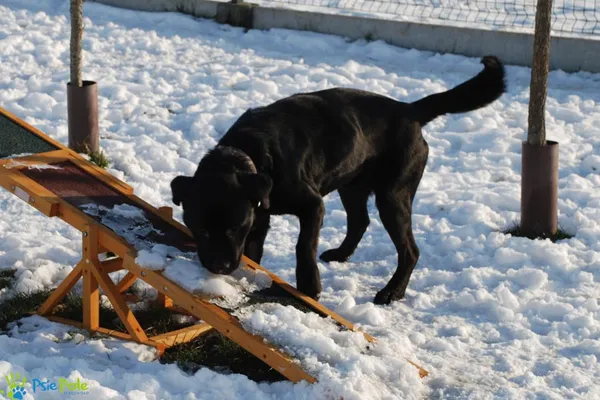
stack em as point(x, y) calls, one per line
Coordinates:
point(99, 239)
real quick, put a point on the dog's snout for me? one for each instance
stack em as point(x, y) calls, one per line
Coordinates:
point(222, 268)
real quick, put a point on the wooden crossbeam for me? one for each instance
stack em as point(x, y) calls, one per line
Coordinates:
point(126, 282)
point(183, 335)
point(112, 265)
point(160, 347)
point(164, 301)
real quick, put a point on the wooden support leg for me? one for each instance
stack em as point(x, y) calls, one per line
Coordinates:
point(91, 301)
point(61, 291)
point(91, 293)
point(112, 292)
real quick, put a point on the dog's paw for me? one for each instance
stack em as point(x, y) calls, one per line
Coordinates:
point(334, 255)
point(313, 294)
point(312, 290)
point(386, 296)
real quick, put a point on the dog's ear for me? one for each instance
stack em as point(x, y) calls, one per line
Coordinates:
point(257, 187)
point(181, 187)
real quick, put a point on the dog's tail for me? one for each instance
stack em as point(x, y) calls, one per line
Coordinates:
point(475, 93)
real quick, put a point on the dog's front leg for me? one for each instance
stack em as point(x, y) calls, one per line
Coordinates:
point(256, 238)
point(308, 280)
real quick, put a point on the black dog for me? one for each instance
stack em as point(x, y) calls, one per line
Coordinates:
point(283, 158)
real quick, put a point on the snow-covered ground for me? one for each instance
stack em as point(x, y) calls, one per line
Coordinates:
point(489, 315)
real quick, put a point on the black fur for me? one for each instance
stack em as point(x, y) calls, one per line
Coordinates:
point(283, 158)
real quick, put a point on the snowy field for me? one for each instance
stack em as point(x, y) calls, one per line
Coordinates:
point(489, 315)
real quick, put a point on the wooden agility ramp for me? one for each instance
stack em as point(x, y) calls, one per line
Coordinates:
point(61, 183)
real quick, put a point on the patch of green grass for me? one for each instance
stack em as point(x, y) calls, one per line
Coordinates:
point(157, 320)
point(21, 305)
point(219, 353)
point(72, 308)
point(7, 276)
point(515, 230)
point(369, 37)
point(97, 157)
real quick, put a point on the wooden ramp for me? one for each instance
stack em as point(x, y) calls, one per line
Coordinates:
point(60, 183)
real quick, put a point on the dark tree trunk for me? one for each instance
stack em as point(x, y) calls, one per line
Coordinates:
point(76, 36)
point(539, 185)
point(539, 74)
point(82, 96)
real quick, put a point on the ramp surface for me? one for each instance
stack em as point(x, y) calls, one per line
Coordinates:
point(14, 139)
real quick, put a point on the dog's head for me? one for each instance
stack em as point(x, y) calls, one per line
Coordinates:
point(219, 206)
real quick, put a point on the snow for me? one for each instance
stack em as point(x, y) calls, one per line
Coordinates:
point(127, 221)
point(185, 269)
point(342, 357)
point(488, 314)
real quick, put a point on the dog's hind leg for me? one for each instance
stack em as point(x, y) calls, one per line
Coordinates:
point(256, 238)
point(394, 197)
point(355, 202)
point(395, 213)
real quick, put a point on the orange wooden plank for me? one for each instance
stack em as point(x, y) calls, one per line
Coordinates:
point(61, 291)
point(91, 293)
point(51, 205)
point(126, 282)
point(30, 191)
point(91, 301)
point(104, 331)
point(164, 301)
point(183, 335)
point(112, 265)
point(166, 211)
